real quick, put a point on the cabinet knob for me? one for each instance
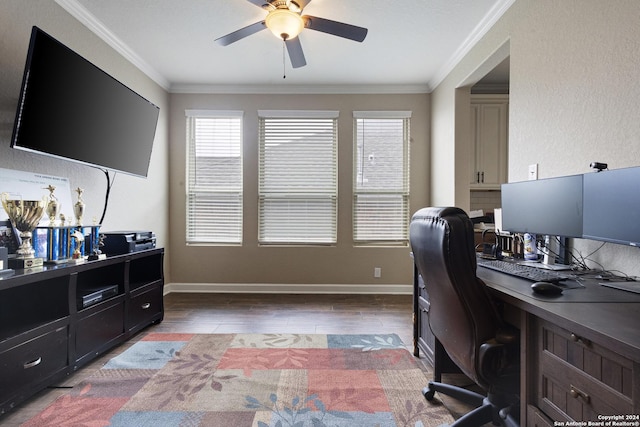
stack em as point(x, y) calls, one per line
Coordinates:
point(579, 394)
point(32, 363)
point(146, 305)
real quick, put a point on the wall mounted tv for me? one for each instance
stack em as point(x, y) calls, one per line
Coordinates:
point(551, 206)
point(71, 109)
point(612, 206)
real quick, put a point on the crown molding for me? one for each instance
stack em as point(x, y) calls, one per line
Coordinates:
point(79, 12)
point(300, 89)
point(481, 29)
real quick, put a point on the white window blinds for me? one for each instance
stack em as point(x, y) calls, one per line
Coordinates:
point(298, 177)
point(381, 177)
point(214, 177)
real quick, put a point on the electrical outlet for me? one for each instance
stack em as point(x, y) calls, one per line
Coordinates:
point(533, 172)
point(377, 272)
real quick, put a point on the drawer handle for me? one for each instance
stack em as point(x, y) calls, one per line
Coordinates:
point(579, 339)
point(146, 305)
point(579, 394)
point(32, 363)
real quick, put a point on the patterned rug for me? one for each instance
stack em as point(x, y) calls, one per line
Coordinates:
point(252, 380)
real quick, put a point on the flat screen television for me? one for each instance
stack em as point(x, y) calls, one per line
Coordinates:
point(551, 206)
point(71, 109)
point(612, 206)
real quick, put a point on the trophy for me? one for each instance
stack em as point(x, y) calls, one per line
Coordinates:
point(53, 206)
point(78, 238)
point(78, 208)
point(24, 216)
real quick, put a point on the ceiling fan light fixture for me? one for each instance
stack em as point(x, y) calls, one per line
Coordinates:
point(284, 23)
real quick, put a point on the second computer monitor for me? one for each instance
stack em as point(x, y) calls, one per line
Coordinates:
point(551, 206)
point(612, 206)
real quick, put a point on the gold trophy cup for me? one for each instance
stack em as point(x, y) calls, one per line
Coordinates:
point(53, 206)
point(24, 216)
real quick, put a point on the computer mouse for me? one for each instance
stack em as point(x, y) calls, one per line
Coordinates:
point(546, 288)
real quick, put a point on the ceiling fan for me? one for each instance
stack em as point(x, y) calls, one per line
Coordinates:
point(286, 22)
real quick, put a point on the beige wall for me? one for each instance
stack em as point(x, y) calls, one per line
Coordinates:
point(135, 203)
point(343, 264)
point(574, 97)
point(575, 86)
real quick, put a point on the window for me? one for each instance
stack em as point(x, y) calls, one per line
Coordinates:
point(381, 177)
point(298, 177)
point(214, 177)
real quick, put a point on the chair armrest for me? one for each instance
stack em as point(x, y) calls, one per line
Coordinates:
point(508, 335)
point(499, 360)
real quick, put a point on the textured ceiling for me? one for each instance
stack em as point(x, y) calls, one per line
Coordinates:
point(412, 44)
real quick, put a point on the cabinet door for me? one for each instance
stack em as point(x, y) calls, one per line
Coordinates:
point(99, 328)
point(489, 142)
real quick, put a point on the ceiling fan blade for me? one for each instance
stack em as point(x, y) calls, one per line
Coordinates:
point(296, 55)
point(335, 28)
point(241, 33)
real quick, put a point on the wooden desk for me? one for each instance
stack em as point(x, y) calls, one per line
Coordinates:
point(580, 351)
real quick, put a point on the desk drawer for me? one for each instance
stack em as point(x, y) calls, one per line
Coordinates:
point(580, 379)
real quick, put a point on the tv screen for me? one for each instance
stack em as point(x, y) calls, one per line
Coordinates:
point(69, 108)
point(612, 206)
point(551, 206)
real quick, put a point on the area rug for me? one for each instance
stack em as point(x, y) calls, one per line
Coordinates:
point(252, 380)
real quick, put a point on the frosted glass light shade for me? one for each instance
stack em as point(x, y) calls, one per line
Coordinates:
point(284, 24)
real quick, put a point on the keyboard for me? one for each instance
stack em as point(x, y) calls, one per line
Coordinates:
point(523, 271)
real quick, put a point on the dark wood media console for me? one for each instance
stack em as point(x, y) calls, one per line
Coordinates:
point(48, 330)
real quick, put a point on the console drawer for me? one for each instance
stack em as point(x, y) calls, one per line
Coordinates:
point(580, 379)
point(146, 306)
point(33, 362)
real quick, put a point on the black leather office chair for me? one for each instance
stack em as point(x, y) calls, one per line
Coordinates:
point(464, 318)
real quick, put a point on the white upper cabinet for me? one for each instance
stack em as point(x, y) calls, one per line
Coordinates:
point(489, 141)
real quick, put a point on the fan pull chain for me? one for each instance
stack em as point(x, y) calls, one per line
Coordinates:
point(284, 70)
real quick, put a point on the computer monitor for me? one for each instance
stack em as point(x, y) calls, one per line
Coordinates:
point(612, 206)
point(551, 206)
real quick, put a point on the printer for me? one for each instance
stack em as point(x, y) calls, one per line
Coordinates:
point(124, 242)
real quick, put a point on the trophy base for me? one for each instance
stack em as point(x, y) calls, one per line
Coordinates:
point(7, 272)
point(22, 263)
point(75, 261)
point(57, 261)
point(94, 257)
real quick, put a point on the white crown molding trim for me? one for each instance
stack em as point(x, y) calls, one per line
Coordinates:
point(79, 12)
point(277, 288)
point(300, 89)
point(481, 29)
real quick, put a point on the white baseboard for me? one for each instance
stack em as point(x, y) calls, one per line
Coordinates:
point(278, 288)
